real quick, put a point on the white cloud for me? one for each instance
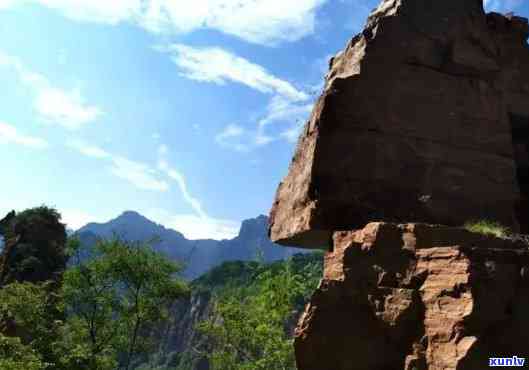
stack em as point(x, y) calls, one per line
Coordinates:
point(263, 139)
point(216, 65)
point(163, 150)
point(4, 4)
point(88, 150)
point(75, 219)
point(292, 134)
point(54, 105)
point(281, 109)
point(232, 137)
point(258, 21)
point(195, 227)
point(64, 108)
point(163, 165)
point(138, 174)
point(10, 135)
point(101, 11)
point(199, 225)
point(287, 104)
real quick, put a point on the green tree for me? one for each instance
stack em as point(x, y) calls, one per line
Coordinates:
point(15, 356)
point(248, 330)
point(114, 300)
point(29, 324)
point(34, 246)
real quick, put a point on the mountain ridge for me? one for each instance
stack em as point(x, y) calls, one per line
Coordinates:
point(198, 255)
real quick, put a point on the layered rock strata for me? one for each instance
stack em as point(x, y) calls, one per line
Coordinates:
point(424, 118)
point(416, 297)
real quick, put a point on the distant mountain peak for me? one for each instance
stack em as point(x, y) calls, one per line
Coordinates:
point(252, 227)
point(132, 215)
point(198, 255)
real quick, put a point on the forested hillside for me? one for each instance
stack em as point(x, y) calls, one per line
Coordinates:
point(123, 305)
point(240, 315)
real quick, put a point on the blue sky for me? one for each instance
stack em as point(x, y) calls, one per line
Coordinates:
point(185, 111)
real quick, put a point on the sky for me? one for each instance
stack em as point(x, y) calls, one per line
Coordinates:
point(185, 111)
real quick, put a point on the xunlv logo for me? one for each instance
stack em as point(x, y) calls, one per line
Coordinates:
point(506, 361)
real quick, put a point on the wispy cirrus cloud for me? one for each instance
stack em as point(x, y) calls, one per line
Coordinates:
point(136, 173)
point(88, 150)
point(141, 175)
point(288, 104)
point(53, 105)
point(165, 167)
point(282, 110)
point(232, 136)
point(9, 134)
point(266, 22)
point(219, 66)
point(66, 108)
point(194, 226)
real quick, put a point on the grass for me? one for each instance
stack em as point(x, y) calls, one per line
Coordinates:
point(488, 228)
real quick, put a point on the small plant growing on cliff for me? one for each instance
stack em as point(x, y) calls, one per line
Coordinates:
point(487, 227)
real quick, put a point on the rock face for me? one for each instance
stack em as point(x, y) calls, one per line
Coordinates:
point(416, 296)
point(424, 118)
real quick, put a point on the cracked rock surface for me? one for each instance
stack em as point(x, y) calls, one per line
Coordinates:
point(424, 118)
point(416, 296)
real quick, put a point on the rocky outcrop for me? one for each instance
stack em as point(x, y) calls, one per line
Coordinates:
point(423, 122)
point(181, 343)
point(424, 118)
point(416, 296)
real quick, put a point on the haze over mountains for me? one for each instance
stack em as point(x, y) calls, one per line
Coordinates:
point(199, 256)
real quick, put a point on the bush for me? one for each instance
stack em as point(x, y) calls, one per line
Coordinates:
point(488, 228)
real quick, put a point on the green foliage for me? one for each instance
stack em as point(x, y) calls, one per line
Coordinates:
point(104, 311)
point(99, 319)
point(31, 312)
point(113, 301)
point(487, 227)
point(229, 274)
point(42, 215)
point(36, 252)
point(16, 356)
point(249, 329)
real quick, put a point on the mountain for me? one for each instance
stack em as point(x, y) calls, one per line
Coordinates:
point(199, 256)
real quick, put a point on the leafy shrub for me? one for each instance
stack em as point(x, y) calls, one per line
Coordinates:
point(487, 227)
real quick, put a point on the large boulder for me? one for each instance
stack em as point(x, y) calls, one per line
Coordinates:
point(416, 297)
point(424, 118)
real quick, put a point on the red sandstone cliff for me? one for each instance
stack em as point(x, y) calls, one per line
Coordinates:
point(424, 118)
point(423, 122)
point(416, 296)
